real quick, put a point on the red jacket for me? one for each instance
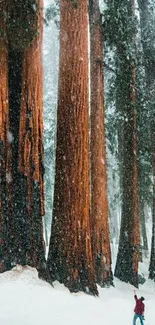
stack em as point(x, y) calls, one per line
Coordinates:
point(139, 308)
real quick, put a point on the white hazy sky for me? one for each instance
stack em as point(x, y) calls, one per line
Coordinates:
point(48, 2)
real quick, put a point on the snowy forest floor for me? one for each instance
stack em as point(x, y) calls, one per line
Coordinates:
point(27, 300)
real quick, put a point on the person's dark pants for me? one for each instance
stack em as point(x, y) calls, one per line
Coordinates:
point(135, 318)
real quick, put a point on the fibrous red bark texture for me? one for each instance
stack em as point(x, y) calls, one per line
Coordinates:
point(21, 129)
point(30, 157)
point(70, 256)
point(99, 205)
point(5, 151)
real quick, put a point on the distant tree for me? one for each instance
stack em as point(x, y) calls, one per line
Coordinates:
point(144, 240)
point(143, 155)
point(70, 254)
point(99, 204)
point(52, 12)
point(114, 127)
point(147, 23)
point(120, 18)
point(50, 80)
point(127, 259)
point(152, 257)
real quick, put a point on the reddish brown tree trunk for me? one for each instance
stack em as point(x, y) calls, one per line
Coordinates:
point(70, 255)
point(99, 205)
point(30, 146)
point(21, 193)
point(31, 125)
point(5, 152)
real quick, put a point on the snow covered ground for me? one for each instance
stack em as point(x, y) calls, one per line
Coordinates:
point(27, 300)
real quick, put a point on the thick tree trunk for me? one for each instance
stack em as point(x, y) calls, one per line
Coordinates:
point(99, 205)
point(17, 225)
point(147, 24)
point(5, 139)
point(127, 260)
point(30, 146)
point(70, 255)
point(21, 129)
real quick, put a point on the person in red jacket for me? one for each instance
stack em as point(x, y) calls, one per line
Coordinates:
point(139, 309)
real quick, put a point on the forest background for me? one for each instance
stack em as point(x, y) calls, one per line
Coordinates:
point(115, 112)
point(121, 44)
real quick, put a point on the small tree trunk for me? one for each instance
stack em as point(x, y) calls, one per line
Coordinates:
point(152, 258)
point(143, 228)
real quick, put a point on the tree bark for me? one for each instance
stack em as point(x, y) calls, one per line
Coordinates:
point(152, 258)
point(30, 146)
point(21, 131)
point(70, 254)
point(147, 24)
point(5, 149)
point(99, 205)
point(127, 259)
point(143, 228)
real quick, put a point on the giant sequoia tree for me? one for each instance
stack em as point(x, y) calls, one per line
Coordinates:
point(30, 146)
point(147, 23)
point(4, 138)
point(21, 129)
point(127, 258)
point(121, 19)
point(99, 205)
point(70, 255)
